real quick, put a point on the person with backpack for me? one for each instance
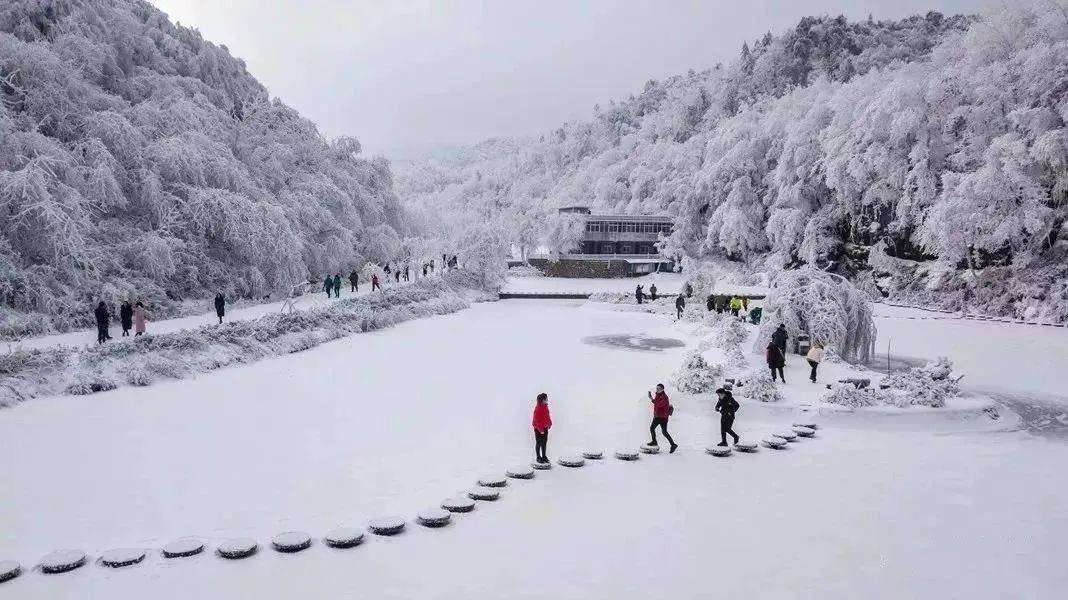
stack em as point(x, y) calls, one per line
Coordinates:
point(680, 304)
point(220, 306)
point(639, 294)
point(727, 406)
point(652, 292)
point(126, 317)
point(139, 318)
point(542, 421)
point(354, 281)
point(662, 410)
point(776, 362)
point(337, 285)
point(779, 337)
point(103, 319)
point(814, 356)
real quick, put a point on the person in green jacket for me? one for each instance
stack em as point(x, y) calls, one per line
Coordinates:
point(736, 305)
point(337, 285)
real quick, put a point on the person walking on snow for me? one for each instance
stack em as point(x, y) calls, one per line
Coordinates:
point(639, 294)
point(710, 303)
point(662, 409)
point(139, 317)
point(406, 268)
point(542, 421)
point(680, 304)
point(220, 306)
point(337, 285)
point(126, 317)
point(424, 270)
point(328, 285)
point(736, 305)
point(726, 407)
point(397, 274)
point(775, 361)
point(354, 281)
point(103, 319)
point(374, 282)
point(814, 356)
point(778, 337)
point(385, 269)
point(652, 292)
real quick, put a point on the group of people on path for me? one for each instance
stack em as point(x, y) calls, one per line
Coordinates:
point(726, 406)
point(135, 317)
point(776, 355)
point(332, 285)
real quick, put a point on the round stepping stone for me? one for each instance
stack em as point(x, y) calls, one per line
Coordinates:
point(434, 517)
point(626, 455)
point(520, 473)
point(291, 541)
point(495, 481)
point(237, 548)
point(459, 505)
point(804, 431)
point(593, 454)
point(572, 461)
point(9, 570)
point(122, 557)
point(774, 442)
point(745, 447)
point(183, 548)
point(541, 466)
point(386, 526)
point(343, 537)
point(650, 449)
point(483, 493)
point(786, 435)
point(810, 425)
point(62, 561)
point(719, 450)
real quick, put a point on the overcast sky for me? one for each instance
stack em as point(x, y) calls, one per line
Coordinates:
point(405, 76)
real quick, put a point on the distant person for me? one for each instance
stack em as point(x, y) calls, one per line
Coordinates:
point(126, 317)
point(406, 268)
point(354, 282)
point(139, 318)
point(745, 303)
point(542, 421)
point(432, 265)
point(328, 286)
point(727, 406)
point(374, 282)
point(396, 275)
point(662, 409)
point(710, 303)
point(814, 356)
point(736, 305)
point(220, 306)
point(639, 294)
point(689, 291)
point(103, 319)
point(425, 266)
point(444, 262)
point(337, 285)
point(721, 303)
point(652, 292)
point(680, 305)
point(776, 361)
point(385, 269)
point(779, 336)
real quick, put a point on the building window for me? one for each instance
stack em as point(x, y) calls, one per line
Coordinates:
point(594, 226)
point(613, 227)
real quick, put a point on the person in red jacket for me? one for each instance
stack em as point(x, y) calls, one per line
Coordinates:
point(662, 409)
point(542, 422)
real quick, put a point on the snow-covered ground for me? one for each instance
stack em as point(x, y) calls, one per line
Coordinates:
point(939, 504)
point(666, 283)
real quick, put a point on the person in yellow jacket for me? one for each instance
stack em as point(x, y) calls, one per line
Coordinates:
point(736, 305)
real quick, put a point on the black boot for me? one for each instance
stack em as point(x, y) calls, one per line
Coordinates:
point(674, 447)
point(722, 444)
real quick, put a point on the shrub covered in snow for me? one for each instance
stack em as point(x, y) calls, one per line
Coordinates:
point(827, 308)
point(846, 394)
point(758, 387)
point(728, 332)
point(929, 385)
point(695, 375)
point(524, 271)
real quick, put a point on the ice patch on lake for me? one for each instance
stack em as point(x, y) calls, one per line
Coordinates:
point(641, 343)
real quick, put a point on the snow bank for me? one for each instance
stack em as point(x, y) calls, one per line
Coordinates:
point(696, 376)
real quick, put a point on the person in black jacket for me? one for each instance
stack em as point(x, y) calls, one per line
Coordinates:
point(778, 337)
point(126, 317)
point(710, 302)
point(103, 318)
point(354, 281)
point(775, 361)
point(639, 294)
point(220, 306)
point(726, 407)
point(652, 292)
point(680, 304)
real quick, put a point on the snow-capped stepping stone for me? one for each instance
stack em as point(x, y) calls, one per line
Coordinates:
point(386, 526)
point(483, 493)
point(520, 473)
point(745, 447)
point(183, 547)
point(62, 561)
point(9, 570)
point(459, 505)
point(343, 537)
point(291, 541)
point(493, 481)
point(650, 449)
point(593, 454)
point(786, 435)
point(808, 424)
point(719, 450)
point(237, 548)
point(541, 466)
point(804, 431)
point(122, 557)
point(571, 461)
point(774, 441)
point(627, 455)
point(434, 517)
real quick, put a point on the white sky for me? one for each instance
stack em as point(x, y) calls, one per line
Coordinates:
point(409, 75)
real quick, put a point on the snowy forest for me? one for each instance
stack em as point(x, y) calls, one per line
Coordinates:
point(138, 160)
point(926, 159)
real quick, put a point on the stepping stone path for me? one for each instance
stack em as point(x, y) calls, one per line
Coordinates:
point(776, 442)
point(593, 454)
point(541, 466)
point(808, 425)
point(649, 449)
point(745, 447)
point(719, 450)
point(572, 461)
point(386, 526)
point(520, 473)
point(183, 547)
point(494, 481)
point(237, 548)
point(804, 431)
point(343, 537)
point(9, 570)
point(626, 455)
point(434, 517)
point(62, 561)
point(483, 493)
point(787, 435)
point(459, 505)
point(122, 557)
point(291, 541)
